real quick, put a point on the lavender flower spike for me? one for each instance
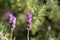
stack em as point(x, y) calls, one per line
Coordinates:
point(11, 19)
point(29, 20)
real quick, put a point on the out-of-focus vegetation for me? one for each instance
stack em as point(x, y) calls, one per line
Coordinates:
point(45, 23)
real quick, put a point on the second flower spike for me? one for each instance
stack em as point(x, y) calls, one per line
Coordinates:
point(29, 21)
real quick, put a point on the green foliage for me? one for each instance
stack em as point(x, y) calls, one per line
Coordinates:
point(3, 28)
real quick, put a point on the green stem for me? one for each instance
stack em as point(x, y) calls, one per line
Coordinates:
point(28, 35)
point(11, 34)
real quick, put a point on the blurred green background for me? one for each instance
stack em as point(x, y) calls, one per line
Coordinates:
point(45, 23)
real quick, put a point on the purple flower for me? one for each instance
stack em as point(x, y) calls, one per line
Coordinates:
point(29, 20)
point(11, 19)
point(29, 17)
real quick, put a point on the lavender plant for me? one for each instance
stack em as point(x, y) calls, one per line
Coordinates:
point(12, 21)
point(29, 23)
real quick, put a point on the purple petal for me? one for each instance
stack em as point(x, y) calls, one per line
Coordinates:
point(29, 15)
point(14, 20)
